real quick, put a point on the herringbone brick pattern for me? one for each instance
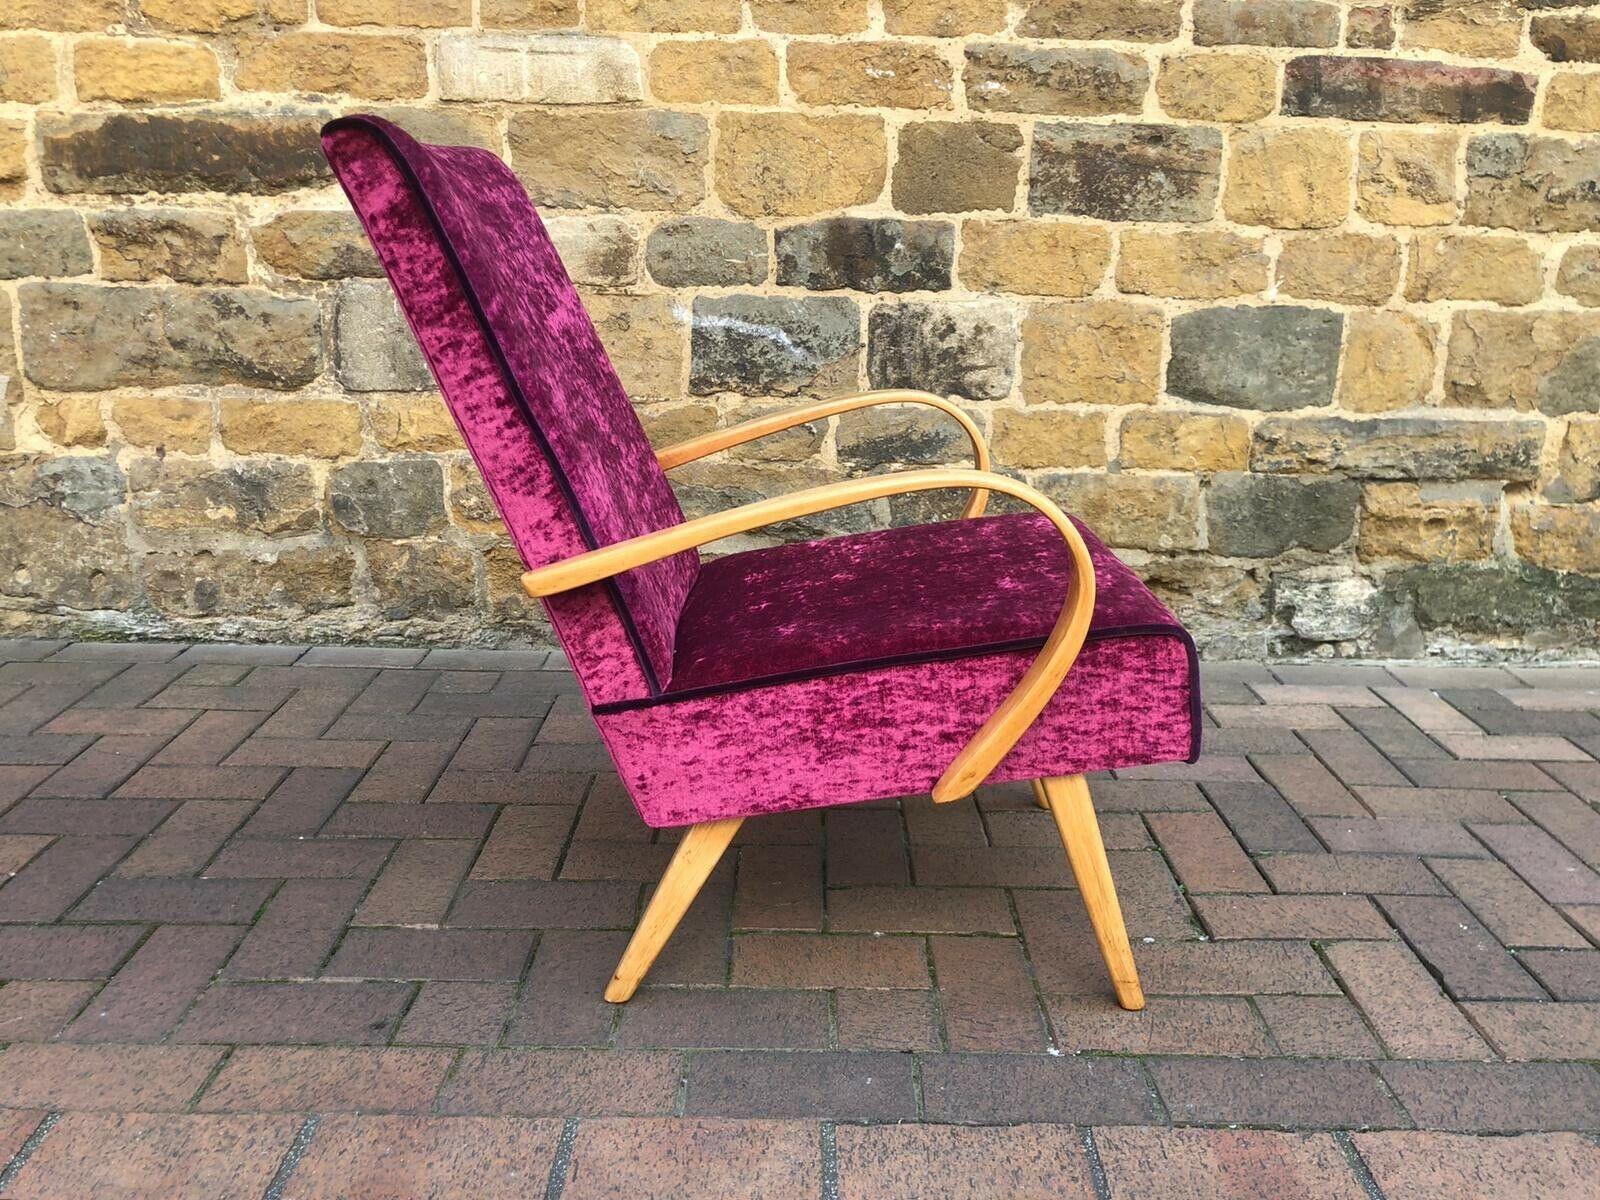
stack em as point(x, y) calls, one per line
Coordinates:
point(307, 923)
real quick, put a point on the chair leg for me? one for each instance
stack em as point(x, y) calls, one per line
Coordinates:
point(1039, 797)
point(1068, 799)
point(696, 857)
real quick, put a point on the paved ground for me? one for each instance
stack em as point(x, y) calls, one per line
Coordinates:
point(307, 924)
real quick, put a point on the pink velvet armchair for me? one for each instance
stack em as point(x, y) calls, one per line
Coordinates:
point(934, 657)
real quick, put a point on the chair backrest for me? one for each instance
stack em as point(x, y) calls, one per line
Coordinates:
point(519, 363)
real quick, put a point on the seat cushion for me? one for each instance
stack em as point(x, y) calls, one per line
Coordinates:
point(911, 594)
point(854, 669)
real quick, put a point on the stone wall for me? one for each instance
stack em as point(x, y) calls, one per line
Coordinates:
point(1297, 302)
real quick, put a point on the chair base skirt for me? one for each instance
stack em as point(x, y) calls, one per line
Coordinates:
point(1065, 796)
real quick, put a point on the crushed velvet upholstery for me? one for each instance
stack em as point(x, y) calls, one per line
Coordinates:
point(823, 673)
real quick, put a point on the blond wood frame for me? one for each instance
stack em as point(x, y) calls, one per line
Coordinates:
point(736, 435)
point(1067, 798)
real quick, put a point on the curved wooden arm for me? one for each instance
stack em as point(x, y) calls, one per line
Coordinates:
point(994, 739)
point(760, 427)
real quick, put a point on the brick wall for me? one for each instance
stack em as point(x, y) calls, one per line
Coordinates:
point(1290, 299)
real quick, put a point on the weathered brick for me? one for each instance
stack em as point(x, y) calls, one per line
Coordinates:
point(706, 72)
point(1258, 516)
point(793, 165)
point(117, 152)
point(1125, 172)
point(1406, 178)
point(866, 254)
point(957, 166)
point(27, 69)
point(1401, 90)
point(1120, 20)
point(1540, 184)
point(1289, 179)
point(951, 349)
point(1097, 352)
point(1268, 358)
point(871, 74)
point(88, 336)
point(1388, 362)
point(597, 158)
point(1033, 257)
point(1400, 447)
point(1462, 267)
point(1078, 83)
point(1218, 87)
point(143, 71)
point(1351, 268)
point(1199, 265)
point(773, 346)
point(1566, 37)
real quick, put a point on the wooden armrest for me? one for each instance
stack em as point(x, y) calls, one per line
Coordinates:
point(749, 431)
point(994, 739)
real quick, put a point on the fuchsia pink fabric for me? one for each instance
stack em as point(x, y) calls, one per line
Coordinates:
point(821, 673)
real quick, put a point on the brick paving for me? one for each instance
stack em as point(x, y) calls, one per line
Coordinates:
point(290, 923)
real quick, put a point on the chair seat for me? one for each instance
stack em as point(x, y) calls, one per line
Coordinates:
point(913, 594)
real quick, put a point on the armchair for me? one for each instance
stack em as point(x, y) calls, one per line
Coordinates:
point(931, 657)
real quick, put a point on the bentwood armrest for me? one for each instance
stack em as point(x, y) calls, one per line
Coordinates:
point(748, 431)
point(994, 739)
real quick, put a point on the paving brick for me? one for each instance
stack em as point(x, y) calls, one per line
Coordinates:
point(431, 954)
point(327, 1079)
point(736, 1018)
point(201, 783)
point(300, 858)
point(1260, 818)
point(919, 910)
point(1392, 735)
point(1497, 1097)
point(621, 860)
point(15, 1129)
point(458, 1013)
point(87, 817)
point(1451, 773)
point(1352, 758)
point(449, 1158)
point(1283, 1093)
point(70, 952)
point(544, 904)
point(1459, 950)
point(1317, 1027)
point(1203, 853)
point(418, 883)
point(509, 787)
point(1446, 804)
point(36, 1010)
point(297, 932)
point(881, 1020)
point(1529, 1030)
point(148, 996)
point(779, 887)
point(1166, 1025)
point(55, 877)
point(295, 1013)
point(989, 1089)
point(828, 961)
point(584, 1083)
point(187, 840)
point(1567, 819)
point(99, 770)
point(1568, 974)
point(1552, 870)
point(986, 995)
point(175, 901)
point(672, 1158)
point(46, 749)
point(1232, 968)
point(137, 1154)
point(1398, 875)
point(16, 849)
point(1474, 746)
point(404, 773)
point(561, 1003)
point(865, 847)
point(1403, 1003)
point(1305, 917)
point(1221, 1164)
point(1582, 778)
point(103, 1078)
point(525, 843)
point(853, 1086)
point(302, 803)
point(469, 821)
point(1309, 786)
point(1443, 1166)
point(907, 1162)
point(1396, 836)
